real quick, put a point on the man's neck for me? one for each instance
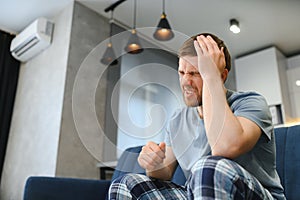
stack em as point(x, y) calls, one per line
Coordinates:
point(200, 111)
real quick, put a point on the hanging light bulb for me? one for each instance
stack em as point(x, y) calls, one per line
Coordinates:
point(109, 56)
point(134, 46)
point(163, 31)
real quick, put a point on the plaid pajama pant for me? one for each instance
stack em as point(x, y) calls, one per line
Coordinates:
point(211, 178)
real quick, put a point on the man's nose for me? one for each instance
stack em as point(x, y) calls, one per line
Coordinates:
point(186, 79)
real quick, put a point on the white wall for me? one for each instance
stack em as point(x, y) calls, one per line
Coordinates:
point(293, 74)
point(35, 127)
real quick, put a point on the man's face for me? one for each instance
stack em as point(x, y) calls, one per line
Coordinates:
point(191, 82)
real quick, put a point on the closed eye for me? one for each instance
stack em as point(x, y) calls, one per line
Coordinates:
point(191, 73)
point(181, 73)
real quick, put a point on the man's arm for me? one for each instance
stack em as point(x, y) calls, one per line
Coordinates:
point(228, 135)
point(158, 160)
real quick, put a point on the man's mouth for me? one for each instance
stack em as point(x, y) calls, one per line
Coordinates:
point(188, 90)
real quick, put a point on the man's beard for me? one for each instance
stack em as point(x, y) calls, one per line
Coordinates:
point(192, 102)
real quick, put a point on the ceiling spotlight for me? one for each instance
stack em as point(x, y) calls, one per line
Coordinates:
point(298, 82)
point(234, 26)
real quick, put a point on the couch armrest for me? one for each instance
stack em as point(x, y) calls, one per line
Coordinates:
point(56, 188)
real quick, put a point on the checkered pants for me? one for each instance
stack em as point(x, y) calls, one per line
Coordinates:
point(211, 178)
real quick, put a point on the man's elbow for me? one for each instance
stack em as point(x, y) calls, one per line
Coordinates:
point(230, 152)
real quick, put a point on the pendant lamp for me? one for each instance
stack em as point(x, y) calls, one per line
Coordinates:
point(134, 46)
point(163, 31)
point(109, 56)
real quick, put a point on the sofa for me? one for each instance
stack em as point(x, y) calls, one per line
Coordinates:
point(58, 188)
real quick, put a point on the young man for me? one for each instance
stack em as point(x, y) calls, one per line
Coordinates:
point(223, 140)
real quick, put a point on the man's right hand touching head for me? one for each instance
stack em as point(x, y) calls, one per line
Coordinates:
point(152, 156)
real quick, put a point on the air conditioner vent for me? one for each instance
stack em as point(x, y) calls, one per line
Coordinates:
point(32, 40)
point(25, 46)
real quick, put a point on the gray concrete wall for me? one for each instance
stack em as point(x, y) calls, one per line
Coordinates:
point(35, 127)
point(75, 158)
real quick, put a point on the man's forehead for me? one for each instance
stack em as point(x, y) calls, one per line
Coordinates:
point(188, 63)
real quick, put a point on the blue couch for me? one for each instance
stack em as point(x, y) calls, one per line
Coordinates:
point(55, 188)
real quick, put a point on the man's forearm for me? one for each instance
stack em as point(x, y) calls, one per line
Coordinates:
point(214, 111)
point(222, 127)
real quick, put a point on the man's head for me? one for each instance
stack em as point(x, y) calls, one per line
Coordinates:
point(190, 79)
point(188, 49)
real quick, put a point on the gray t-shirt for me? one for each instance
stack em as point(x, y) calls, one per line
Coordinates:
point(186, 135)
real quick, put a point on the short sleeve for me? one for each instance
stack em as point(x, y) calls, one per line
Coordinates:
point(254, 107)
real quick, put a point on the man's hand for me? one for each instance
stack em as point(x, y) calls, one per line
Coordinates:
point(152, 156)
point(210, 57)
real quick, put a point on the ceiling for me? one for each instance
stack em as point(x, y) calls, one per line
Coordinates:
point(263, 22)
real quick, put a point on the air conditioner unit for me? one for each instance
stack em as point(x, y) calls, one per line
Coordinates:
point(32, 40)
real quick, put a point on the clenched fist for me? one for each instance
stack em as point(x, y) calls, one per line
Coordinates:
point(152, 156)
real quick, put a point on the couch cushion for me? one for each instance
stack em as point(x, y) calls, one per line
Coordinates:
point(280, 138)
point(179, 177)
point(58, 188)
point(292, 163)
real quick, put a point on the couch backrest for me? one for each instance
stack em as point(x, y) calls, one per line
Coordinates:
point(288, 159)
point(128, 164)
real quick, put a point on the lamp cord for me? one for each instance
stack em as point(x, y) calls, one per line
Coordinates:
point(110, 22)
point(134, 16)
point(163, 6)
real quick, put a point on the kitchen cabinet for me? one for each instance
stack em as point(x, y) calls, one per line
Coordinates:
point(265, 72)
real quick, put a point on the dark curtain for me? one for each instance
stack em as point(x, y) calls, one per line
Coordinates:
point(9, 72)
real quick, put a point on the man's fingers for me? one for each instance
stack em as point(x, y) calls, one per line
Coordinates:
point(197, 47)
point(144, 163)
point(209, 43)
point(162, 146)
point(149, 160)
point(156, 149)
point(154, 159)
point(202, 43)
point(214, 45)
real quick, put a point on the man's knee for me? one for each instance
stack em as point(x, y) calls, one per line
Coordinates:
point(210, 162)
point(210, 173)
point(125, 184)
point(212, 166)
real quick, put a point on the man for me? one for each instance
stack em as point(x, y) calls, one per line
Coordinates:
point(223, 140)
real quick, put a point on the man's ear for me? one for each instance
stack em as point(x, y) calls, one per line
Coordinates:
point(224, 75)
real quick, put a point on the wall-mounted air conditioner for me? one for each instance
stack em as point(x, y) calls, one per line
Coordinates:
point(32, 40)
